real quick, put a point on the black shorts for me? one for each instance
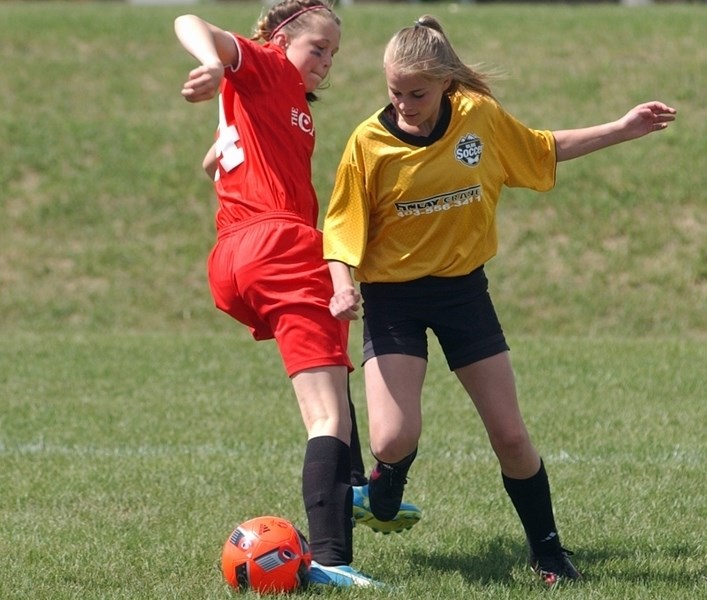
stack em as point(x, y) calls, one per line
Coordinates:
point(458, 310)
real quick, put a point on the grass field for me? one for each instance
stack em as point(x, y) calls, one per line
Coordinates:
point(138, 425)
point(126, 459)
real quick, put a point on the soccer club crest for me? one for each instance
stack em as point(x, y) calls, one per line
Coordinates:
point(468, 150)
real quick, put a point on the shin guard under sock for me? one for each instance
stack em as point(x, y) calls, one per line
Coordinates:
point(327, 494)
point(532, 501)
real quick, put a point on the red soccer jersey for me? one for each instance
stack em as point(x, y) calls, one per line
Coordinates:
point(265, 138)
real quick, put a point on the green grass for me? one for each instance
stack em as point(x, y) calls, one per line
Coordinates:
point(138, 425)
point(126, 459)
point(107, 218)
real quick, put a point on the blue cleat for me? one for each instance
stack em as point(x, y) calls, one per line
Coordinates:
point(342, 576)
point(407, 516)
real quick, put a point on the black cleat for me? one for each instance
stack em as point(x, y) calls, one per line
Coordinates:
point(554, 568)
point(385, 491)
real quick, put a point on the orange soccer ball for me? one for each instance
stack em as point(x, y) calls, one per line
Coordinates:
point(266, 554)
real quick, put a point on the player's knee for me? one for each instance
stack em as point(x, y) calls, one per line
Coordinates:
point(511, 444)
point(393, 450)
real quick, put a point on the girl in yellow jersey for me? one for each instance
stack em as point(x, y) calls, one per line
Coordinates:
point(413, 213)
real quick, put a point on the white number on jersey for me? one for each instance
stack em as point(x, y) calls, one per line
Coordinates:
point(229, 154)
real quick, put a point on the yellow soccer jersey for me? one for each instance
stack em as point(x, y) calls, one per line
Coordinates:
point(404, 207)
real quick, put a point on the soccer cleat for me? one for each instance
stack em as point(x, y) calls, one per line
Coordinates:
point(408, 514)
point(340, 576)
point(385, 491)
point(555, 568)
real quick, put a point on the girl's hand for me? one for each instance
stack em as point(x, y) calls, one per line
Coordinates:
point(646, 118)
point(344, 304)
point(637, 122)
point(203, 83)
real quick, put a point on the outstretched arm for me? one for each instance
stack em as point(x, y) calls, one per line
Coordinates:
point(639, 121)
point(212, 47)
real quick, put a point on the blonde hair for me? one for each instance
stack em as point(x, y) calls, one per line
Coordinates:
point(423, 49)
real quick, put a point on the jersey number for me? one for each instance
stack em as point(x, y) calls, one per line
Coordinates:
point(229, 153)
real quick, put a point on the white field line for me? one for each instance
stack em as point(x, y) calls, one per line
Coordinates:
point(48, 449)
point(675, 455)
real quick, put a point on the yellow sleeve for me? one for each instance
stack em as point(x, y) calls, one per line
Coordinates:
point(346, 220)
point(529, 158)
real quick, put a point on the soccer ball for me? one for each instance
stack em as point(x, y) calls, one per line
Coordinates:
point(266, 554)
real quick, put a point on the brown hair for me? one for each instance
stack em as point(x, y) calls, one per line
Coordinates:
point(293, 17)
point(424, 49)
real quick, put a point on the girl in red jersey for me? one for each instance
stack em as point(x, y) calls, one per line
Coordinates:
point(413, 211)
point(266, 269)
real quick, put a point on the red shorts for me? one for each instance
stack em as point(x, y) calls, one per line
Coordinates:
point(270, 275)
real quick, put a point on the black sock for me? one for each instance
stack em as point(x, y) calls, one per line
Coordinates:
point(532, 501)
point(327, 494)
point(358, 470)
point(386, 487)
point(403, 466)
